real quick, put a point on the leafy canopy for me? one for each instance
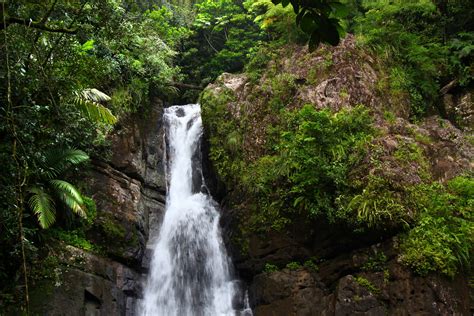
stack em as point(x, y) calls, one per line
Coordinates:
point(48, 188)
point(321, 20)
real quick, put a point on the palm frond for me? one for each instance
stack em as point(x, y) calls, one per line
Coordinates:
point(70, 196)
point(59, 159)
point(87, 102)
point(42, 205)
point(94, 95)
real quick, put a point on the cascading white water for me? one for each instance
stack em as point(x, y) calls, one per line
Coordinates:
point(189, 272)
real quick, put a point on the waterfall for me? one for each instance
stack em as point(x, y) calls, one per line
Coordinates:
point(190, 273)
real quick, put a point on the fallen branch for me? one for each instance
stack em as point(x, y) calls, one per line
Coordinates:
point(448, 87)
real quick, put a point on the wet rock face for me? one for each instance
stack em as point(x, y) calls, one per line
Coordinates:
point(130, 193)
point(129, 190)
point(86, 285)
point(290, 293)
point(392, 291)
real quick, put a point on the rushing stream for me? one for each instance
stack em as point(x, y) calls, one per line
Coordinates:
point(190, 273)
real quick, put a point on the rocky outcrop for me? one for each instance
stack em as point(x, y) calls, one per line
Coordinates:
point(129, 190)
point(85, 284)
point(353, 285)
point(459, 106)
point(344, 279)
point(130, 187)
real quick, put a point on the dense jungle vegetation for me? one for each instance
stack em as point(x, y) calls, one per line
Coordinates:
point(71, 69)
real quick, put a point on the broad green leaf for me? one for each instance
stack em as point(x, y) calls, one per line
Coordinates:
point(43, 206)
point(87, 46)
point(339, 10)
point(296, 6)
point(314, 41)
point(329, 33)
point(70, 195)
point(307, 24)
point(299, 16)
point(58, 160)
point(94, 95)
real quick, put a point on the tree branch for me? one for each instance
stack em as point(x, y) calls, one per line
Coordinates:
point(448, 87)
point(46, 16)
point(36, 25)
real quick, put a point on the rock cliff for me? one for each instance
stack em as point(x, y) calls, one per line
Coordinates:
point(129, 189)
point(350, 274)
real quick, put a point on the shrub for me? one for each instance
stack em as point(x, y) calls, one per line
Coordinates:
point(270, 268)
point(310, 265)
point(368, 285)
point(443, 239)
point(74, 238)
point(293, 266)
point(310, 163)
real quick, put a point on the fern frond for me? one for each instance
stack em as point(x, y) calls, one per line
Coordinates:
point(70, 196)
point(94, 95)
point(43, 206)
point(87, 102)
point(58, 160)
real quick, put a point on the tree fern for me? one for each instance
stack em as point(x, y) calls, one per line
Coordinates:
point(69, 195)
point(42, 205)
point(56, 162)
point(87, 102)
point(59, 160)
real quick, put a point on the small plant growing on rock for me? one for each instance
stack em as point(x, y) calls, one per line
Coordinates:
point(293, 266)
point(368, 285)
point(310, 265)
point(268, 268)
point(375, 263)
point(386, 276)
point(389, 117)
point(443, 237)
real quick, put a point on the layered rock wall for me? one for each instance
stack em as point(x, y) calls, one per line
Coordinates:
point(129, 190)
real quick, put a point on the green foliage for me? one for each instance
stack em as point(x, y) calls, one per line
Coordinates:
point(112, 228)
point(74, 238)
point(91, 211)
point(42, 205)
point(41, 201)
point(225, 133)
point(367, 284)
point(310, 165)
point(258, 59)
point(293, 266)
point(282, 87)
point(320, 20)
point(221, 37)
point(311, 265)
point(88, 103)
point(226, 34)
point(53, 54)
point(424, 51)
point(461, 51)
point(270, 268)
point(382, 203)
point(376, 262)
point(377, 206)
point(276, 21)
point(442, 239)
